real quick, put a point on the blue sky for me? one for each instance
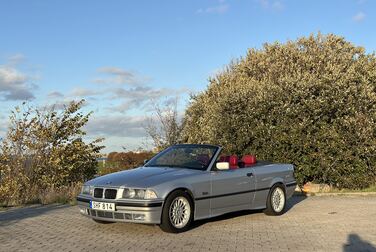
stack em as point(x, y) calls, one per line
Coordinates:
point(120, 55)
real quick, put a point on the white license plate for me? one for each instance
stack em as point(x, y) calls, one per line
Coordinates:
point(105, 206)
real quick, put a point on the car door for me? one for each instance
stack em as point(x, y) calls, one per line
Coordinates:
point(232, 190)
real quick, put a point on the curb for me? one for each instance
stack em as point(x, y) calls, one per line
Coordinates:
point(346, 194)
point(319, 194)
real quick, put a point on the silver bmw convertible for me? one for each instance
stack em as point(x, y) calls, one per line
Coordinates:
point(185, 183)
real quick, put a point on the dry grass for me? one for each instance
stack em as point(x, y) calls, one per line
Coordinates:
point(371, 188)
point(63, 195)
point(322, 189)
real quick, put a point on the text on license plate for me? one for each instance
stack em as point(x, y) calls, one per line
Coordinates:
point(105, 206)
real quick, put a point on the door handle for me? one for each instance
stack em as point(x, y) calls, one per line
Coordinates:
point(250, 174)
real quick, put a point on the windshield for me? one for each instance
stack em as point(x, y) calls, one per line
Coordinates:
point(184, 156)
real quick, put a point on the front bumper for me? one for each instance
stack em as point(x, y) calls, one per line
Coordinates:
point(147, 212)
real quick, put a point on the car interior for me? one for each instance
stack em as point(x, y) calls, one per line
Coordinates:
point(235, 162)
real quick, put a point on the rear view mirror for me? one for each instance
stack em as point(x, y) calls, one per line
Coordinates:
point(145, 161)
point(223, 165)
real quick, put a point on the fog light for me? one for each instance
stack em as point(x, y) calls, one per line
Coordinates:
point(139, 217)
point(83, 211)
point(127, 216)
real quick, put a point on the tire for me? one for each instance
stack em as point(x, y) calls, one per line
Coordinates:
point(102, 222)
point(278, 207)
point(176, 204)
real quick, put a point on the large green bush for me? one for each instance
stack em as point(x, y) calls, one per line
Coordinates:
point(310, 102)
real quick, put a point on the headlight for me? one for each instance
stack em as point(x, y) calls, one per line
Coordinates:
point(87, 190)
point(130, 193)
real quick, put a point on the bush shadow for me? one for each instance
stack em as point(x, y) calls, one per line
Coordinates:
point(13, 215)
point(355, 243)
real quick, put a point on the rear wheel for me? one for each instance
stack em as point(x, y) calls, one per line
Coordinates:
point(276, 201)
point(177, 212)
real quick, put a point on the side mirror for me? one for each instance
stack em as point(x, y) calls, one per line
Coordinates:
point(145, 161)
point(223, 165)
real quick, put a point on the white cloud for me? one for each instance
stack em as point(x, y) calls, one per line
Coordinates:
point(55, 94)
point(15, 85)
point(116, 75)
point(141, 97)
point(120, 98)
point(136, 93)
point(220, 8)
point(273, 5)
point(277, 5)
point(84, 92)
point(360, 16)
point(16, 59)
point(117, 125)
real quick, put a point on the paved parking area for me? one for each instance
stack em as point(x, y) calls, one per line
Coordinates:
point(339, 223)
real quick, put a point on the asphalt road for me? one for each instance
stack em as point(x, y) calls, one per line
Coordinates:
point(339, 223)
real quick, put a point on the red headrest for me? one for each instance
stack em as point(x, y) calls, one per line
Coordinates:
point(249, 159)
point(233, 160)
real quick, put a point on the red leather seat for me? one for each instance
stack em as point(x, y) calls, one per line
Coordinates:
point(222, 159)
point(249, 160)
point(233, 160)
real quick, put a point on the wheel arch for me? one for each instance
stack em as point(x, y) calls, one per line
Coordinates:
point(277, 181)
point(184, 189)
point(281, 184)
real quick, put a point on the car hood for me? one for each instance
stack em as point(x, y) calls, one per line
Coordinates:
point(142, 177)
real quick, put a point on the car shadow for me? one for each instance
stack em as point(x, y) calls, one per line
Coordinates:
point(13, 215)
point(296, 199)
point(355, 243)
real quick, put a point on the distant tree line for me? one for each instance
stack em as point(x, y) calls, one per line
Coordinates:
point(117, 161)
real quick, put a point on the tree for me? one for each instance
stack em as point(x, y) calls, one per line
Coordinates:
point(165, 127)
point(43, 149)
point(311, 102)
point(118, 161)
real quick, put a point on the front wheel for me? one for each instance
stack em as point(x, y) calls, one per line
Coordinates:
point(177, 213)
point(276, 201)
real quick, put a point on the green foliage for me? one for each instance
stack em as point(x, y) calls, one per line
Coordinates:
point(44, 149)
point(310, 102)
